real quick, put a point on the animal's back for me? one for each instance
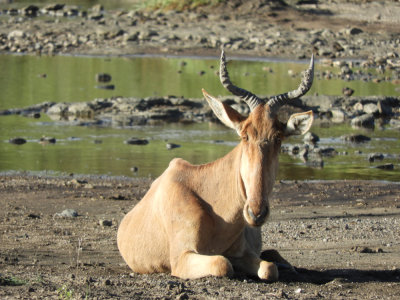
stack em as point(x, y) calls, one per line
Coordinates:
point(142, 237)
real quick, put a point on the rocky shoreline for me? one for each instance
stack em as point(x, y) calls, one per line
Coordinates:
point(365, 112)
point(340, 29)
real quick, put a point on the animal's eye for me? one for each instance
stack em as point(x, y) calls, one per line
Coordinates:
point(245, 137)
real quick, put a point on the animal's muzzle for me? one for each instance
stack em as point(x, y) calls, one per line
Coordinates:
point(255, 220)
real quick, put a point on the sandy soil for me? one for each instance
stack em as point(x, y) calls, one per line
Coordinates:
point(343, 238)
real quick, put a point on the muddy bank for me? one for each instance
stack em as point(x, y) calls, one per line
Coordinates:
point(341, 236)
point(125, 112)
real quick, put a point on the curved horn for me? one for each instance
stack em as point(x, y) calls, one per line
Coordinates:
point(251, 100)
point(276, 102)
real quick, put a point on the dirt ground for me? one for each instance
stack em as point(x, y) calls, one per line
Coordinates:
point(342, 236)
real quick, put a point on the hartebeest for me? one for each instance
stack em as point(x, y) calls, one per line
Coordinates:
point(200, 220)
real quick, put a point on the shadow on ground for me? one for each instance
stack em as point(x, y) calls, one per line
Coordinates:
point(340, 275)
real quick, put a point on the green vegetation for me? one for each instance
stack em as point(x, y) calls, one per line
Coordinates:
point(12, 281)
point(65, 292)
point(178, 4)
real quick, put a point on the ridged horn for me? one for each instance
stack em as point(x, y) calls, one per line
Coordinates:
point(276, 102)
point(251, 100)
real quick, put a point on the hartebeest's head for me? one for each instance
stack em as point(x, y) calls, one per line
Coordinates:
point(261, 136)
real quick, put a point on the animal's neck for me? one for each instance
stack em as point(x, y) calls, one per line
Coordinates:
point(222, 186)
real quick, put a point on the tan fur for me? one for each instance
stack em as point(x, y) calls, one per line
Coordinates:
point(194, 221)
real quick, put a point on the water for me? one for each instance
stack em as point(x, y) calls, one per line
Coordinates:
point(115, 4)
point(28, 80)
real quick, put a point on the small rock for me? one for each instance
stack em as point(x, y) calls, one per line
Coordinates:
point(328, 151)
point(95, 16)
point(346, 91)
point(358, 107)
point(97, 8)
point(337, 47)
point(304, 154)
point(293, 149)
point(314, 160)
point(33, 216)
point(107, 282)
point(47, 140)
point(386, 167)
point(384, 109)
point(103, 77)
point(53, 7)
point(77, 182)
point(375, 156)
point(136, 141)
point(58, 109)
point(364, 249)
point(106, 87)
point(355, 138)
point(310, 137)
point(371, 108)
point(67, 213)
point(30, 11)
point(105, 223)
point(16, 34)
point(354, 31)
point(172, 146)
point(338, 115)
point(366, 120)
point(118, 197)
point(17, 141)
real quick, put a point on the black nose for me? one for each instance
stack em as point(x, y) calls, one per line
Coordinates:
point(260, 218)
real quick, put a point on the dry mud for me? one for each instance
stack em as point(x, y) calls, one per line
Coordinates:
point(342, 236)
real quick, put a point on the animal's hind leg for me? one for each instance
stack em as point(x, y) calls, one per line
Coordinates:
point(192, 265)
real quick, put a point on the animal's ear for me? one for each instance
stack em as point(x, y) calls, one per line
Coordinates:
point(225, 113)
point(299, 123)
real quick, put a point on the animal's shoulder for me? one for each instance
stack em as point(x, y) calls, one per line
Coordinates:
point(177, 173)
point(179, 164)
point(178, 176)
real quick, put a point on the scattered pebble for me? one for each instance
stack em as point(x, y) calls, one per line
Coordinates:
point(136, 141)
point(106, 223)
point(17, 141)
point(171, 146)
point(67, 213)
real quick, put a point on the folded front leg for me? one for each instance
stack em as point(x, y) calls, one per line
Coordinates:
point(191, 265)
point(251, 264)
point(274, 256)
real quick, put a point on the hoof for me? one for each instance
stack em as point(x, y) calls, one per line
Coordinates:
point(268, 271)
